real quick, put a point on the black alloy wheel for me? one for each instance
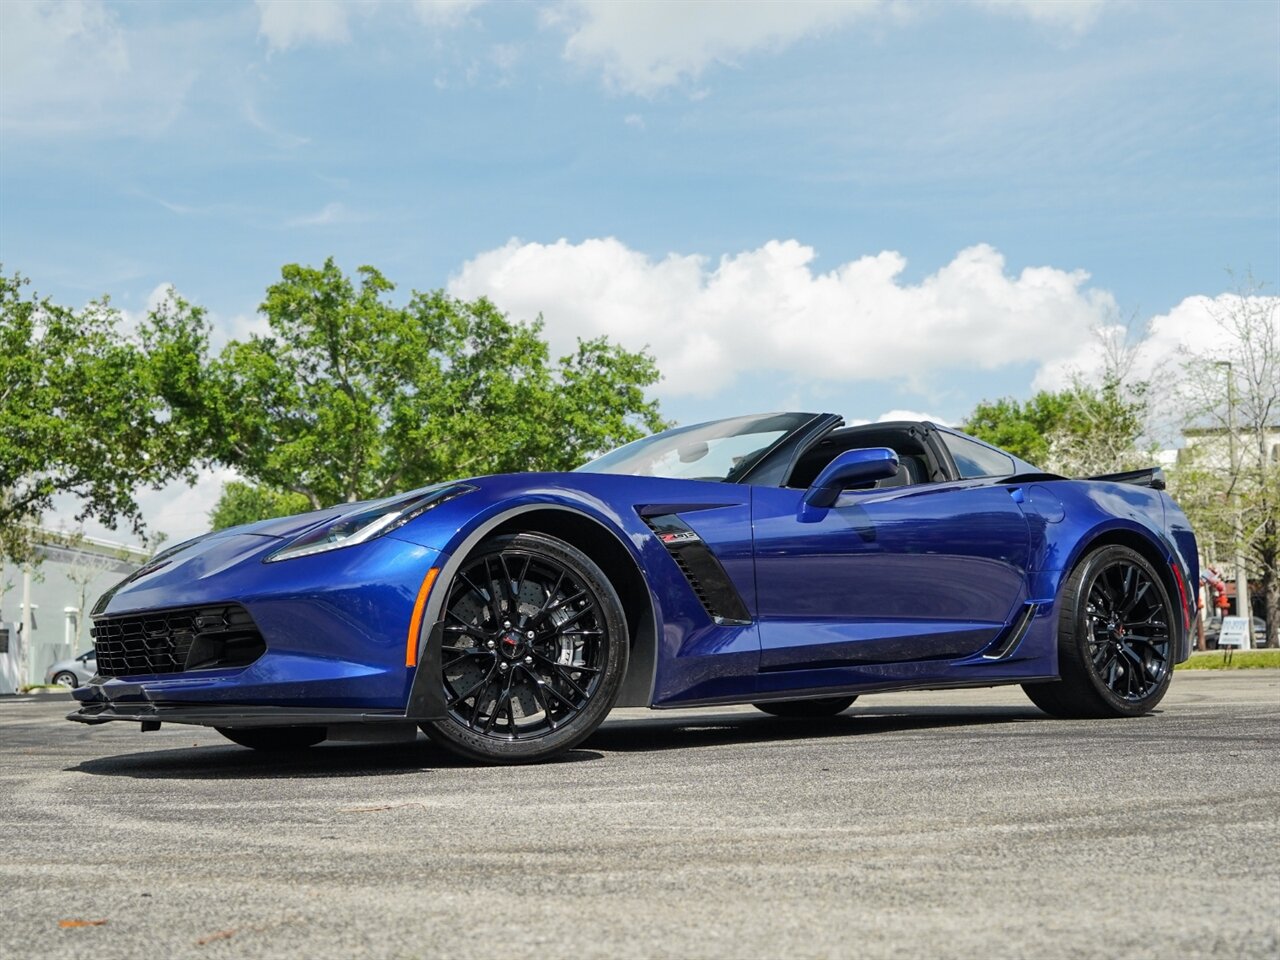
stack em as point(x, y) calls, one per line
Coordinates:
point(1116, 636)
point(807, 709)
point(534, 650)
point(274, 739)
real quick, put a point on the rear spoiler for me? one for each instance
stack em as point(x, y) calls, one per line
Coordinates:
point(1152, 477)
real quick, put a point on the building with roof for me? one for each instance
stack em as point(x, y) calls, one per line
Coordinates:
point(45, 608)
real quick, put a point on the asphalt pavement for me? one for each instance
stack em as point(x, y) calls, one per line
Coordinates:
point(947, 824)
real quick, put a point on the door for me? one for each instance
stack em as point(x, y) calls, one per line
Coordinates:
point(933, 571)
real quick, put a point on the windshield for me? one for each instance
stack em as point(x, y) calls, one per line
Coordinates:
point(720, 450)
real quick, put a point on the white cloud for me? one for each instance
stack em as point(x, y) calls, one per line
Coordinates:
point(286, 24)
point(71, 67)
point(1072, 17)
point(291, 23)
point(766, 311)
point(444, 13)
point(1163, 346)
point(642, 46)
point(911, 415)
point(330, 213)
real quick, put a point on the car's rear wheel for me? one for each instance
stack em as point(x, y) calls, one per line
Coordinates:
point(66, 678)
point(535, 648)
point(274, 739)
point(822, 707)
point(1116, 632)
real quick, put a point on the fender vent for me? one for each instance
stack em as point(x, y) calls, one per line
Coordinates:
point(707, 578)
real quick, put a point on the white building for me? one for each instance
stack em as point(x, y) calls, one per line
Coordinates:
point(45, 608)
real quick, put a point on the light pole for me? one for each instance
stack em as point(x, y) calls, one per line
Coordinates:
point(1243, 607)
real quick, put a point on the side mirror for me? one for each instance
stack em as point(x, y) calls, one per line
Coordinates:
point(849, 469)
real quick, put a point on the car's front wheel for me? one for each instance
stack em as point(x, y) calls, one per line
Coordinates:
point(535, 648)
point(1116, 632)
point(802, 709)
point(274, 739)
point(66, 678)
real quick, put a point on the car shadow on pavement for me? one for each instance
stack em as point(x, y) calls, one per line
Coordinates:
point(657, 732)
point(660, 733)
point(230, 762)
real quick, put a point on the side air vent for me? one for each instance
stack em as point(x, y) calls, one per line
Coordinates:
point(707, 578)
point(1007, 642)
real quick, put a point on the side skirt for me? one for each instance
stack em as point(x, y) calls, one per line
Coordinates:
point(890, 686)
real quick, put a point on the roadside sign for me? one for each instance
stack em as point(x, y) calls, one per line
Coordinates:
point(1235, 633)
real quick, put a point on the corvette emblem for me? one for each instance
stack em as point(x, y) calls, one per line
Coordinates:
point(680, 536)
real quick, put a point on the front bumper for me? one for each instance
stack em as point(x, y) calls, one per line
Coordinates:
point(335, 628)
point(152, 703)
point(231, 715)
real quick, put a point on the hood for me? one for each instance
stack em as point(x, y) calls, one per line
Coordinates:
point(289, 526)
point(167, 574)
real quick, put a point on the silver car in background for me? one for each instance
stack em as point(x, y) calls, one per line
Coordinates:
point(74, 672)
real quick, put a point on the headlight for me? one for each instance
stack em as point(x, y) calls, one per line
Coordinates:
point(373, 521)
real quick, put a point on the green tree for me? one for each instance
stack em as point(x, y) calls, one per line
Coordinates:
point(246, 503)
point(350, 395)
point(1231, 491)
point(1096, 425)
point(80, 414)
point(1021, 428)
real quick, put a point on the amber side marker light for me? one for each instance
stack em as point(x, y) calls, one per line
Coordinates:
point(415, 623)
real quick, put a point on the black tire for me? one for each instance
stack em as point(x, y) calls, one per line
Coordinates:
point(1106, 667)
point(65, 678)
point(822, 707)
point(274, 739)
point(532, 625)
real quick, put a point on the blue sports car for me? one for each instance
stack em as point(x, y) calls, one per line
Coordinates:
point(783, 560)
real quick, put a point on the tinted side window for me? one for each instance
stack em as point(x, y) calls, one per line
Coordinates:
point(974, 460)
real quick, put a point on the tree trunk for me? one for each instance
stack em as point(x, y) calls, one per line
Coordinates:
point(1271, 590)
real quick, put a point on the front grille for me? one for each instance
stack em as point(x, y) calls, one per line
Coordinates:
point(173, 641)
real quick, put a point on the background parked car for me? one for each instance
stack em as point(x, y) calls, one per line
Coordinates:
point(1213, 627)
point(73, 672)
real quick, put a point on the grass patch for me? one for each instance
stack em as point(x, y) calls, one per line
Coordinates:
point(1242, 660)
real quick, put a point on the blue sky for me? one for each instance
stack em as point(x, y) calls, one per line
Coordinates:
point(859, 207)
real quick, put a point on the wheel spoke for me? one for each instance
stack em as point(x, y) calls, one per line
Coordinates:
point(551, 595)
point(476, 688)
point(465, 629)
point(1128, 630)
point(482, 634)
point(560, 604)
point(466, 582)
point(1137, 597)
point(504, 698)
point(495, 607)
point(574, 617)
point(466, 651)
point(537, 685)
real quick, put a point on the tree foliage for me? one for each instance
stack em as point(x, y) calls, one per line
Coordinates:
point(1021, 428)
point(1238, 390)
point(1083, 430)
point(350, 395)
point(80, 414)
point(242, 502)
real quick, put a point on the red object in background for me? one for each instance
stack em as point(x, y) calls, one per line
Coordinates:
point(1222, 601)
